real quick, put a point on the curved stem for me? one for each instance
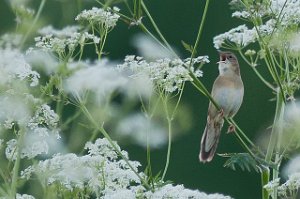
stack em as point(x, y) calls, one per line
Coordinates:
point(37, 16)
point(17, 164)
point(106, 135)
point(157, 29)
point(256, 72)
point(169, 148)
point(275, 139)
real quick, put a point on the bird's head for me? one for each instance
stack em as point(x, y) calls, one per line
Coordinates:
point(228, 63)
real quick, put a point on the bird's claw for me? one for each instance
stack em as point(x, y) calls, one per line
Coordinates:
point(231, 129)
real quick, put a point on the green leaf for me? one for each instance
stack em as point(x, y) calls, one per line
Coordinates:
point(242, 160)
point(188, 47)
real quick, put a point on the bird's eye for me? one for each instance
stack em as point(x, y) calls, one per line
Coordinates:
point(229, 57)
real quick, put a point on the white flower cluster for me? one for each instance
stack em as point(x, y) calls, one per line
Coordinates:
point(289, 10)
point(166, 74)
point(102, 173)
point(286, 11)
point(40, 132)
point(281, 14)
point(98, 16)
point(241, 36)
point(290, 188)
point(24, 196)
point(178, 191)
point(63, 41)
point(13, 66)
point(100, 77)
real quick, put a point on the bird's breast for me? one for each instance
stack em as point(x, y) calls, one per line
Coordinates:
point(229, 99)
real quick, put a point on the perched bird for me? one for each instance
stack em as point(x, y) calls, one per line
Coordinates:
point(228, 92)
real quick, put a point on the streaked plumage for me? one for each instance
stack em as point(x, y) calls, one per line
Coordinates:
point(228, 92)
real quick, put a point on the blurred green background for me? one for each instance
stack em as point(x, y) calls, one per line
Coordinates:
point(179, 20)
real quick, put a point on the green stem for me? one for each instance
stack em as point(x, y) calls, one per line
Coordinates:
point(274, 133)
point(265, 177)
point(275, 139)
point(256, 72)
point(17, 165)
point(106, 135)
point(200, 29)
point(169, 148)
point(156, 28)
point(102, 43)
point(37, 16)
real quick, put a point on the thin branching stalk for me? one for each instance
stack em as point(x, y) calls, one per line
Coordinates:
point(35, 20)
point(157, 29)
point(256, 72)
point(200, 29)
point(275, 139)
point(106, 135)
point(17, 163)
point(169, 120)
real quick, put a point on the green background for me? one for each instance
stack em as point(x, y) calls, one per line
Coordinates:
point(179, 20)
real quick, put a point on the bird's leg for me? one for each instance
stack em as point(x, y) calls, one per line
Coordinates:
point(220, 114)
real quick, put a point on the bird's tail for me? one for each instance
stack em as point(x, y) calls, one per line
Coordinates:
point(210, 140)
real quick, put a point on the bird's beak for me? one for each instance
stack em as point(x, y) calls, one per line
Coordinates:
point(222, 57)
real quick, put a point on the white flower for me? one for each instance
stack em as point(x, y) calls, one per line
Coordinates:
point(178, 192)
point(14, 109)
point(291, 125)
point(44, 115)
point(288, 9)
point(271, 186)
point(290, 188)
point(285, 11)
point(101, 78)
point(63, 41)
point(42, 60)
point(24, 196)
point(13, 66)
point(36, 142)
point(294, 43)
point(267, 28)
point(10, 40)
point(100, 171)
point(99, 16)
point(293, 166)
point(137, 128)
point(241, 36)
point(166, 74)
point(138, 86)
point(11, 149)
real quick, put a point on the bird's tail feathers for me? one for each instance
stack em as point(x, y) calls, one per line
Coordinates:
point(210, 140)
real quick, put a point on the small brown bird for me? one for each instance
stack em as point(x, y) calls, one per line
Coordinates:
point(228, 92)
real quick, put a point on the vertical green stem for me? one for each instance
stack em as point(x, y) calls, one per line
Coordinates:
point(17, 164)
point(265, 177)
point(274, 133)
point(37, 16)
point(200, 29)
point(106, 135)
point(275, 139)
point(157, 29)
point(169, 147)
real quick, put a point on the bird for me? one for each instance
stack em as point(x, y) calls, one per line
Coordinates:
point(228, 93)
